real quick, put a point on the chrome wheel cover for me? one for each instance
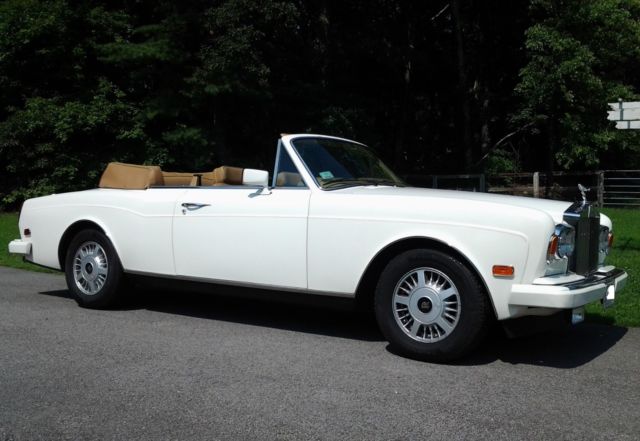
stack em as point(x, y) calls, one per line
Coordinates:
point(90, 268)
point(426, 305)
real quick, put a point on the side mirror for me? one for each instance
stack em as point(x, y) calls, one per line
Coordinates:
point(257, 177)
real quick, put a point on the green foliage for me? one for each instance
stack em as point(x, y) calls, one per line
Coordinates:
point(624, 254)
point(581, 55)
point(194, 84)
point(8, 232)
point(501, 161)
point(64, 150)
point(246, 37)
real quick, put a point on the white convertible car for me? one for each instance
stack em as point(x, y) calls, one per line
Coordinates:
point(437, 266)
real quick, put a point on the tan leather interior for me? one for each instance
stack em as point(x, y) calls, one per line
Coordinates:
point(207, 179)
point(131, 176)
point(177, 178)
point(140, 177)
point(226, 175)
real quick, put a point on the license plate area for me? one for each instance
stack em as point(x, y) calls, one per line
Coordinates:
point(577, 315)
point(609, 296)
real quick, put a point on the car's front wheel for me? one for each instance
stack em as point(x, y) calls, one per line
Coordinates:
point(430, 306)
point(93, 270)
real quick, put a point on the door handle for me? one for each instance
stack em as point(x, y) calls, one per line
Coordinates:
point(191, 206)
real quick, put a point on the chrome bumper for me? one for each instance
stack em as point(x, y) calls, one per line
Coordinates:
point(601, 285)
point(20, 246)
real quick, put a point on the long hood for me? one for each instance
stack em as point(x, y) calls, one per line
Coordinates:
point(555, 209)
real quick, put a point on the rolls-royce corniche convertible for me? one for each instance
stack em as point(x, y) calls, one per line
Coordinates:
point(436, 266)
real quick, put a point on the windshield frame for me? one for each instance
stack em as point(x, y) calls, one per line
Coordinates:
point(398, 182)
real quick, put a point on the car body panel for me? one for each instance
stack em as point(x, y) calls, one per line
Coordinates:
point(138, 223)
point(312, 240)
point(357, 237)
point(243, 235)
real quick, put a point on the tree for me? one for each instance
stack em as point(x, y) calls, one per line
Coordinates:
point(581, 55)
point(60, 120)
point(194, 84)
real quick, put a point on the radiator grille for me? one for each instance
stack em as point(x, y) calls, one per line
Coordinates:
point(586, 221)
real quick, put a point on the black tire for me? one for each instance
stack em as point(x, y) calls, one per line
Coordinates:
point(95, 289)
point(430, 304)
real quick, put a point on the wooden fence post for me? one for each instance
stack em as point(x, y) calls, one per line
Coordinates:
point(536, 185)
point(601, 189)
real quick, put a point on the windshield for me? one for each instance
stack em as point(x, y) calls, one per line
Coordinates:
point(338, 164)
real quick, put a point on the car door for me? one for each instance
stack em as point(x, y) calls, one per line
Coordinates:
point(244, 235)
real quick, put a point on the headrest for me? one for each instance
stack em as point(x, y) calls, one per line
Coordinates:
point(130, 176)
point(228, 175)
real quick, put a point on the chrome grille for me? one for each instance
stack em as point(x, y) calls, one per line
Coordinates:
point(586, 220)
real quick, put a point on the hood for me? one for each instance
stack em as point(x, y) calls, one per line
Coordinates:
point(555, 209)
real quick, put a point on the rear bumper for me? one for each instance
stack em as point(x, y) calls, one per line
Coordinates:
point(597, 286)
point(20, 246)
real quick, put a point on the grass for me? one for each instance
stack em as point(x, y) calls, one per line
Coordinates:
point(9, 231)
point(625, 254)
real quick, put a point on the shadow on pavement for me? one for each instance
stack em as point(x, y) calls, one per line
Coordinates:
point(62, 293)
point(320, 317)
point(316, 315)
point(564, 348)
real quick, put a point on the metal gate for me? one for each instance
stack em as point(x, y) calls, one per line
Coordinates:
point(622, 188)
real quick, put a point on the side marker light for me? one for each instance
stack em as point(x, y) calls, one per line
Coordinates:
point(553, 246)
point(503, 271)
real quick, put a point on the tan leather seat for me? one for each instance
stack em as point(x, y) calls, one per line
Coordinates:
point(140, 177)
point(226, 175)
point(131, 176)
point(178, 179)
point(207, 179)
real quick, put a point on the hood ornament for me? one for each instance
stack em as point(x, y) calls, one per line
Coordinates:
point(583, 192)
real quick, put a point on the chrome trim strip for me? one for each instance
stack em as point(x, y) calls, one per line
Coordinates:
point(607, 278)
point(243, 284)
point(207, 187)
point(293, 146)
point(276, 166)
point(315, 181)
point(223, 187)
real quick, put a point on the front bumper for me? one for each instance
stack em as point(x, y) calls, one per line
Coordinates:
point(601, 285)
point(20, 246)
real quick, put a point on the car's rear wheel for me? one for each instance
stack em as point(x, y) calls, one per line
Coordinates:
point(93, 270)
point(430, 306)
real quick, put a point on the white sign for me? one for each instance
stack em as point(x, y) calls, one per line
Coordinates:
point(626, 114)
point(624, 125)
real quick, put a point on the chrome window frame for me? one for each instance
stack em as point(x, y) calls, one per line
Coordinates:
point(276, 167)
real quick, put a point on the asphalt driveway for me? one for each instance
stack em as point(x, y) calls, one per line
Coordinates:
point(177, 365)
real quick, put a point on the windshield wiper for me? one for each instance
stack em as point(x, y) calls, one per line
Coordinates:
point(382, 181)
point(339, 182)
point(348, 182)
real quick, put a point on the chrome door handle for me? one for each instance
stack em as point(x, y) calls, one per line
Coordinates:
point(191, 206)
